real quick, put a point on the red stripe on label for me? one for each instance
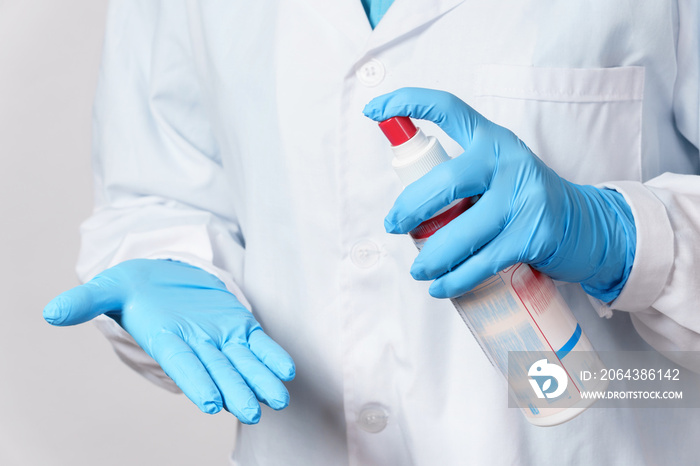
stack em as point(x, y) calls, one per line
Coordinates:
point(433, 224)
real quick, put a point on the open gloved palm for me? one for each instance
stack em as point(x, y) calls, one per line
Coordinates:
point(201, 335)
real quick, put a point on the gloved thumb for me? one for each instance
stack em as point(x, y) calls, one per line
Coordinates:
point(446, 110)
point(84, 302)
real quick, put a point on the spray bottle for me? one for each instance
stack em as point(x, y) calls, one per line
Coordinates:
point(518, 310)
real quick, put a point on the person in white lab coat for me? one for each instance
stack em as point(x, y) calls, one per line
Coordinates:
point(229, 138)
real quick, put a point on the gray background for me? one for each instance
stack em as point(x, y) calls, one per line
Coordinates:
point(65, 399)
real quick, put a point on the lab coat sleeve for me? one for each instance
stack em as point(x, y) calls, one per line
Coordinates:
point(663, 290)
point(160, 190)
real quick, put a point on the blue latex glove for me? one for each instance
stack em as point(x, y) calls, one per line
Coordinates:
point(201, 335)
point(526, 213)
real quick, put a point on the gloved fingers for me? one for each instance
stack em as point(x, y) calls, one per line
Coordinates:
point(486, 262)
point(446, 110)
point(459, 239)
point(464, 176)
point(182, 365)
point(84, 302)
point(238, 399)
point(272, 355)
point(266, 386)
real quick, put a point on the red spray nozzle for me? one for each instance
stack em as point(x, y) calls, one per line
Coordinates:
point(398, 129)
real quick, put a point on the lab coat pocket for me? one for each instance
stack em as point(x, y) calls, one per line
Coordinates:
point(585, 123)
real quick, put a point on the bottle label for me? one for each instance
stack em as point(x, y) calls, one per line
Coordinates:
point(520, 310)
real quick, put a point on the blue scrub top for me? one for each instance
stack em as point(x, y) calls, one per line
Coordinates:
point(375, 10)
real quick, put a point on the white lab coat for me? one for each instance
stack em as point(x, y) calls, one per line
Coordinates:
point(230, 135)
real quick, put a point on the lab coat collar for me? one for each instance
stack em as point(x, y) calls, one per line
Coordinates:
point(404, 16)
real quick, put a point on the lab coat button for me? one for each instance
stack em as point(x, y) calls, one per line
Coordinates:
point(373, 419)
point(371, 72)
point(365, 254)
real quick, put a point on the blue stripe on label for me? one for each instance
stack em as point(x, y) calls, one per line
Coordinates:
point(569, 345)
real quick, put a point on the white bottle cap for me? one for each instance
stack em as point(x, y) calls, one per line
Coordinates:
point(414, 153)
